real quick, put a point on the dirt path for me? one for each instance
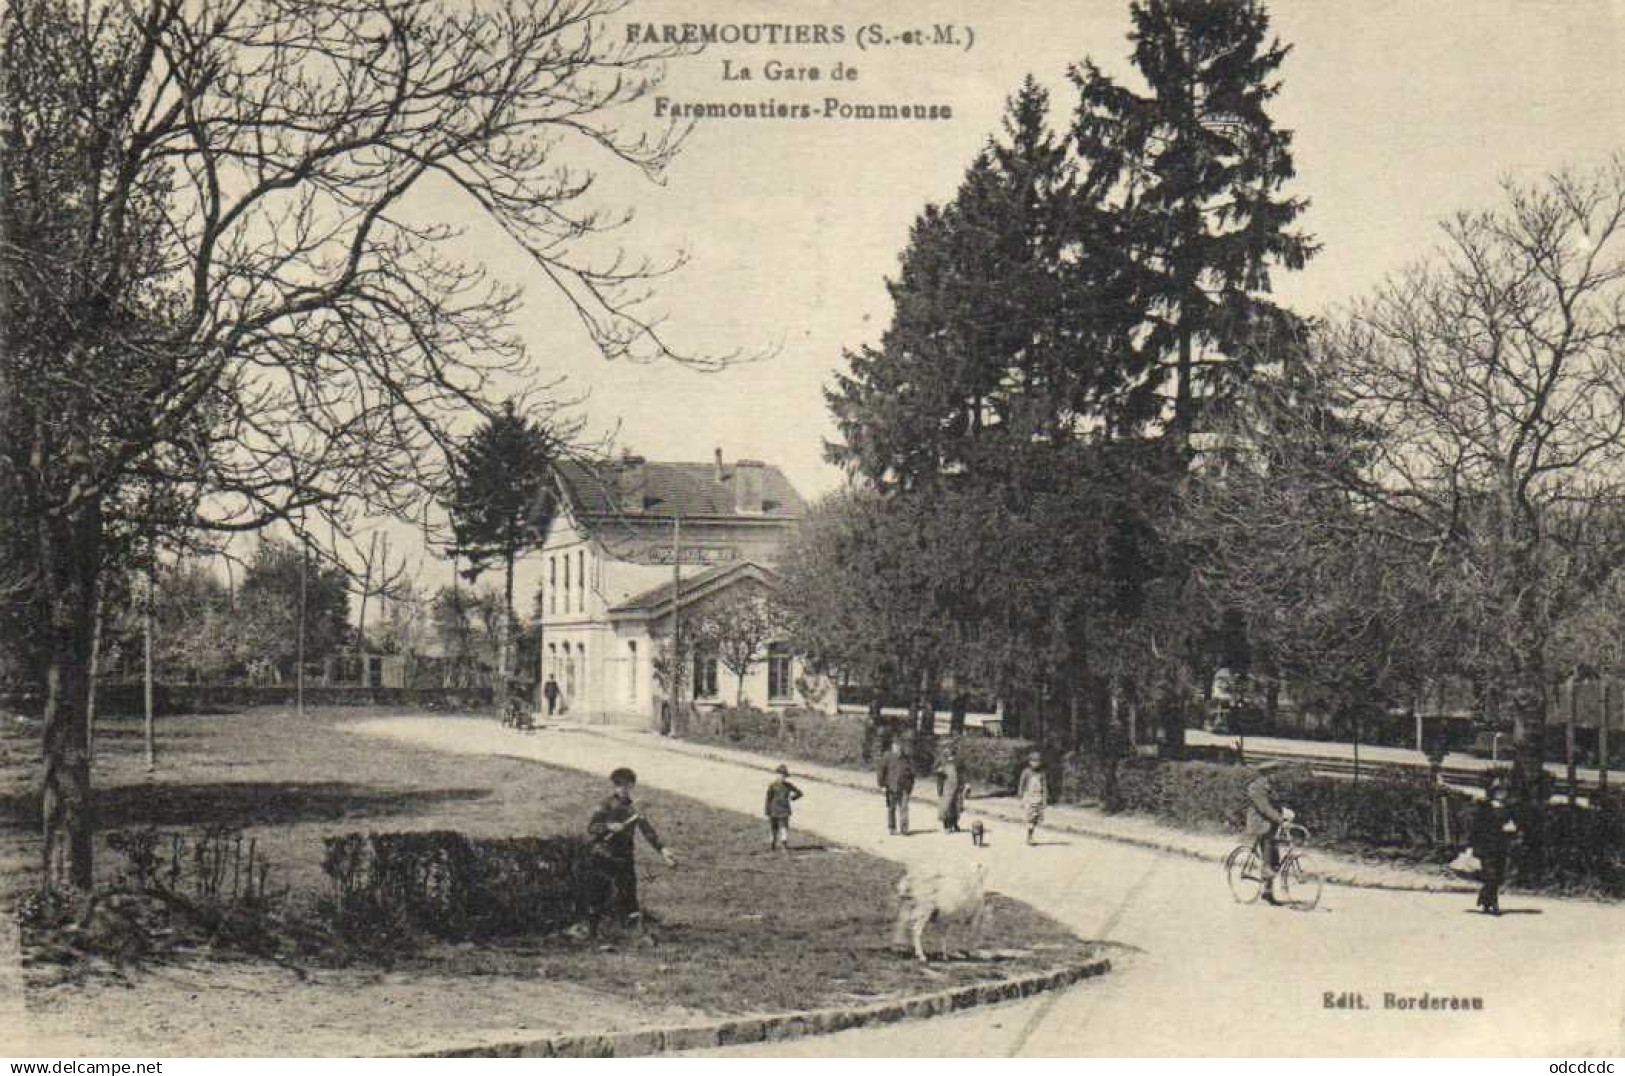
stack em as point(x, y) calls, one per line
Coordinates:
point(1212, 977)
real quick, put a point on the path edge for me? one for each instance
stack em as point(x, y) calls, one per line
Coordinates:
point(781, 1027)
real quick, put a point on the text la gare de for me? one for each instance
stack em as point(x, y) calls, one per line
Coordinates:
point(777, 71)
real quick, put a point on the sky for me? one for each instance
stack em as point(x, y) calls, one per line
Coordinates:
point(1404, 112)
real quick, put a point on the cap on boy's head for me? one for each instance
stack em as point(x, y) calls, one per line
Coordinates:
point(783, 770)
point(623, 776)
point(1035, 756)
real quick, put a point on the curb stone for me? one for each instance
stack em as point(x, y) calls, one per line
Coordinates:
point(781, 1027)
point(1331, 877)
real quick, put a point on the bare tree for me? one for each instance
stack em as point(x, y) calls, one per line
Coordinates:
point(1493, 381)
point(737, 628)
point(226, 266)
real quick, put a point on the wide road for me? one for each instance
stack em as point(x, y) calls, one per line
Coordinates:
point(1198, 974)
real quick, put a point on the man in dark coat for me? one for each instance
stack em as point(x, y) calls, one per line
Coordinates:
point(895, 775)
point(613, 828)
point(550, 691)
point(1493, 828)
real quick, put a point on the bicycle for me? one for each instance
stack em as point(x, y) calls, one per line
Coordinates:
point(1296, 886)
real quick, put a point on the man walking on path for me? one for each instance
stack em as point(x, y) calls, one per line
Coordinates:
point(550, 691)
point(1493, 829)
point(896, 777)
point(613, 828)
point(780, 794)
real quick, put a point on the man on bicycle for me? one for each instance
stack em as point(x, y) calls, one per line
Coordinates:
point(1264, 820)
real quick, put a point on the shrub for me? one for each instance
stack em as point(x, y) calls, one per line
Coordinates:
point(837, 740)
point(991, 763)
point(386, 887)
point(1196, 795)
point(178, 891)
point(1574, 850)
point(808, 735)
point(1380, 811)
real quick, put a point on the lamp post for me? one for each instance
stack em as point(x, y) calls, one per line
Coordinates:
point(676, 617)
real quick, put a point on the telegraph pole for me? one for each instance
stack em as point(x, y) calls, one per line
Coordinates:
point(299, 665)
point(149, 733)
point(676, 617)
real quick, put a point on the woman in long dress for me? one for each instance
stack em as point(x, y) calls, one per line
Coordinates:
point(952, 797)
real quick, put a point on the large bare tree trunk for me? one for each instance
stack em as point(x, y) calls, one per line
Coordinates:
point(149, 734)
point(1526, 696)
point(90, 690)
point(70, 552)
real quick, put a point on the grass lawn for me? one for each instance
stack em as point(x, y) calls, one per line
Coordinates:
point(740, 930)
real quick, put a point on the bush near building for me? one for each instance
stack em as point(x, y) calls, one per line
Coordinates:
point(851, 742)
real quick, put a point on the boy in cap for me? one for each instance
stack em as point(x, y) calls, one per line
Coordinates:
point(612, 829)
point(1033, 791)
point(780, 794)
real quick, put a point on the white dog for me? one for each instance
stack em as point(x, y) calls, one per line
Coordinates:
point(951, 895)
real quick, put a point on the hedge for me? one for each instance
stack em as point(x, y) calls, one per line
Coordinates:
point(1563, 848)
point(447, 885)
point(129, 698)
point(850, 742)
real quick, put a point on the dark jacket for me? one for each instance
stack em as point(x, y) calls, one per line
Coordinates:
point(780, 794)
point(1262, 815)
point(619, 844)
point(1490, 838)
point(895, 773)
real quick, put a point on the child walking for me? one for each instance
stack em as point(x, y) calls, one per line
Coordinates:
point(1033, 791)
point(780, 794)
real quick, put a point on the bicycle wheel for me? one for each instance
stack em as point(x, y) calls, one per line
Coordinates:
point(1241, 870)
point(1300, 887)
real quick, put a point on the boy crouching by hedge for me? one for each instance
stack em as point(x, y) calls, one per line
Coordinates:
point(780, 795)
point(613, 828)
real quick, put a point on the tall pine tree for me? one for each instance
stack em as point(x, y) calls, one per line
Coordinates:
point(1192, 173)
point(983, 327)
point(501, 503)
point(980, 413)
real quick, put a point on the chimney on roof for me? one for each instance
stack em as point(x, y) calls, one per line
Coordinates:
point(633, 482)
point(749, 478)
point(719, 464)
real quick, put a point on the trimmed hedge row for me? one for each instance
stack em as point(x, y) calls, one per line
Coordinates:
point(1563, 849)
point(169, 699)
point(447, 885)
point(1385, 811)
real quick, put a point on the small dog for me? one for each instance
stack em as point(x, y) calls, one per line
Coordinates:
point(977, 833)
